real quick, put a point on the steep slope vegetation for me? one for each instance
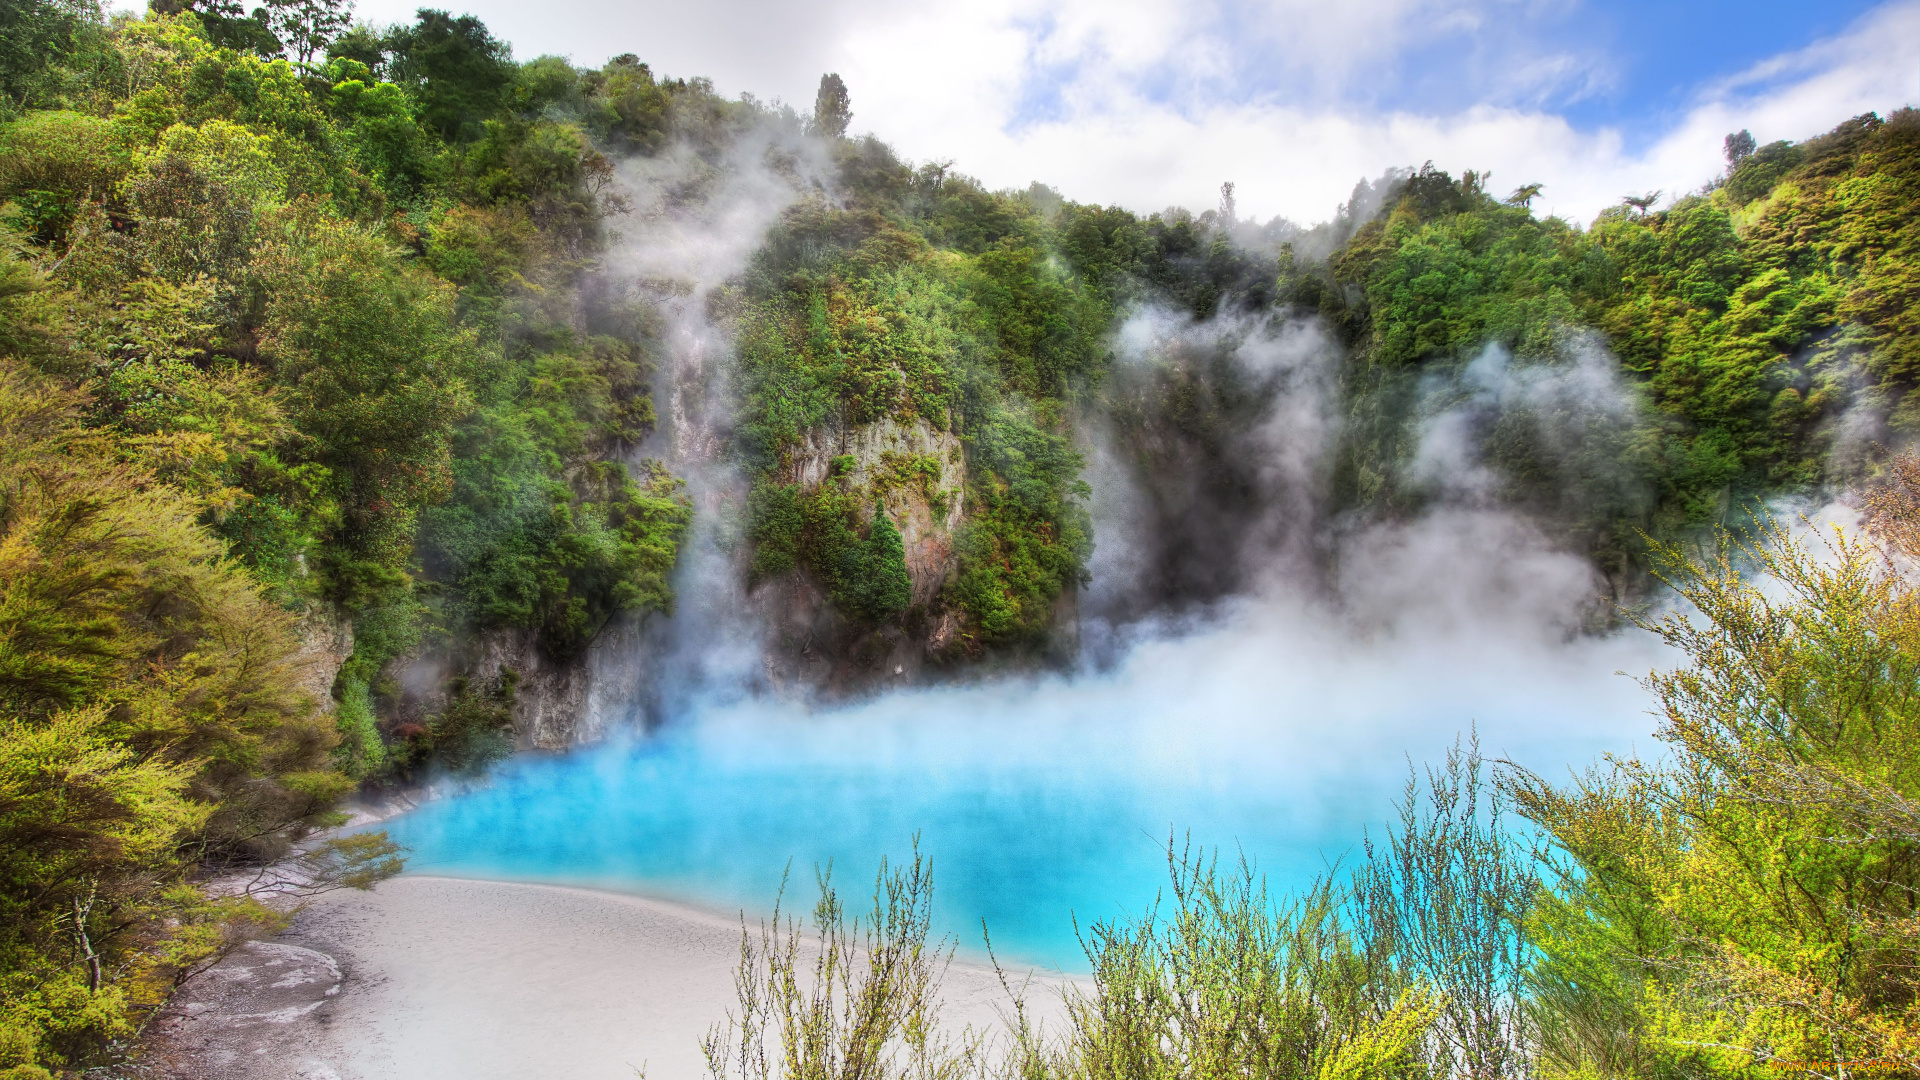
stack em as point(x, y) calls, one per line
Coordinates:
point(1764, 323)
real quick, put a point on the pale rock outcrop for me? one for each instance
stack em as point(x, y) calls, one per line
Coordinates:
point(252, 1016)
point(919, 474)
point(550, 702)
point(326, 641)
point(917, 471)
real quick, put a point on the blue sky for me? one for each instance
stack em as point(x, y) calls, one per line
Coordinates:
point(1665, 51)
point(1632, 64)
point(1646, 59)
point(1150, 103)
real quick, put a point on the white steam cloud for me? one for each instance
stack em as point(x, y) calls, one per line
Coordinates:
point(1564, 402)
point(698, 217)
point(1339, 656)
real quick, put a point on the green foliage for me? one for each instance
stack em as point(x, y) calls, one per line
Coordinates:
point(1750, 897)
point(153, 718)
point(1229, 983)
point(1451, 286)
point(1027, 537)
point(562, 560)
point(379, 133)
point(879, 346)
point(471, 733)
point(41, 42)
point(866, 577)
point(248, 314)
point(373, 370)
point(887, 590)
point(306, 27)
point(774, 525)
point(1750, 321)
point(629, 108)
point(832, 110)
point(535, 532)
point(108, 572)
point(1756, 173)
point(460, 75)
point(847, 997)
point(853, 319)
point(475, 730)
point(52, 162)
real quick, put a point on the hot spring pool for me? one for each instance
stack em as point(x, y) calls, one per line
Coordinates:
point(1040, 803)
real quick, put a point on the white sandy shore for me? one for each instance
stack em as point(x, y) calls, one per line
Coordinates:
point(438, 978)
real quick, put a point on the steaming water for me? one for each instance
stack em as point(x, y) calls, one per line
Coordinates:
point(1282, 728)
point(1042, 803)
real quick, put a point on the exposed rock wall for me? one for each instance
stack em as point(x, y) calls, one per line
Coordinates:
point(255, 1015)
point(917, 472)
point(326, 641)
point(550, 703)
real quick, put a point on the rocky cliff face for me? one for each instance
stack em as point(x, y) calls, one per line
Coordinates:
point(326, 641)
point(550, 702)
point(917, 472)
point(556, 703)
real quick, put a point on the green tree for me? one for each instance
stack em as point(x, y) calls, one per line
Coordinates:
point(1749, 900)
point(153, 718)
point(37, 39)
point(458, 73)
point(230, 25)
point(361, 44)
point(849, 996)
point(832, 108)
point(1739, 147)
point(373, 368)
point(307, 28)
point(878, 577)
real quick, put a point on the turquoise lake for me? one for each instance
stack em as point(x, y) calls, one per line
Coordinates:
point(1045, 803)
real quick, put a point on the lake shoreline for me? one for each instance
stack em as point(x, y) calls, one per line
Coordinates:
point(430, 977)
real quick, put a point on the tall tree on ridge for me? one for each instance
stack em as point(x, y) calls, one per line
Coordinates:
point(229, 24)
point(459, 71)
point(307, 27)
point(1739, 147)
point(832, 110)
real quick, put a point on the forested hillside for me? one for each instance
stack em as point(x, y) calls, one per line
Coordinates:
point(315, 359)
point(1767, 323)
point(1762, 325)
point(286, 347)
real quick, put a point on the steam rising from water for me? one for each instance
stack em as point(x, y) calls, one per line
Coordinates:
point(1181, 522)
point(697, 221)
point(1279, 718)
point(1283, 730)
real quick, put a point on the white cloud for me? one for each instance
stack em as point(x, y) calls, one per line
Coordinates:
point(1114, 144)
